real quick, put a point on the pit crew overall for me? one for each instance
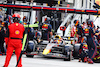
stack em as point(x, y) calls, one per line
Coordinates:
point(2, 35)
point(91, 43)
point(80, 33)
point(46, 29)
point(83, 52)
point(14, 42)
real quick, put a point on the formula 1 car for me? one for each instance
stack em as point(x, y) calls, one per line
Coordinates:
point(58, 47)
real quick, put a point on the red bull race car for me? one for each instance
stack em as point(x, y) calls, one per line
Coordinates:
point(58, 47)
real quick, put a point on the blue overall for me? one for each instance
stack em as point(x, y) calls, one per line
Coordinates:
point(46, 29)
point(83, 51)
point(80, 33)
point(91, 44)
point(2, 35)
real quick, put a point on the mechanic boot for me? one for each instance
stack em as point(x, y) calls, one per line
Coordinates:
point(90, 61)
point(79, 60)
point(85, 59)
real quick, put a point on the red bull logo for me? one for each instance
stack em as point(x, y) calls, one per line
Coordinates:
point(85, 46)
point(86, 30)
point(45, 26)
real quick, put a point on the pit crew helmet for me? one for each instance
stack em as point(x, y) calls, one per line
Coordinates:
point(25, 19)
point(76, 22)
point(47, 20)
point(16, 17)
point(90, 23)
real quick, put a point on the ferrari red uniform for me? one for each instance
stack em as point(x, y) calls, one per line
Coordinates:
point(14, 42)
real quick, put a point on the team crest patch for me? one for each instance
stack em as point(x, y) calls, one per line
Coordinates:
point(17, 32)
point(45, 26)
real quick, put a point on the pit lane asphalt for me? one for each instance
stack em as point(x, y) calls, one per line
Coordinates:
point(39, 61)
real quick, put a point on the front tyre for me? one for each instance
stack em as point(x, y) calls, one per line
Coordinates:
point(69, 56)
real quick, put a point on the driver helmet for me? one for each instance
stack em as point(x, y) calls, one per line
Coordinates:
point(57, 36)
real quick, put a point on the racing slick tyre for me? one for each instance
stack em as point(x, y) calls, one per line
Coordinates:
point(69, 57)
point(31, 56)
point(31, 48)
point(76, 50)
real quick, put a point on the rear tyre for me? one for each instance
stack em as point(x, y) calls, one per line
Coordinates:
point(31, 56)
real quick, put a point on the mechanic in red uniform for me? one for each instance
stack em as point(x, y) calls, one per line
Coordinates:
point(13, 39)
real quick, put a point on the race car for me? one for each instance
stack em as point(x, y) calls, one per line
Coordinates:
point(57, 47)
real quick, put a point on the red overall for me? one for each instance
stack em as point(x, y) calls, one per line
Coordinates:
point(14, 42)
